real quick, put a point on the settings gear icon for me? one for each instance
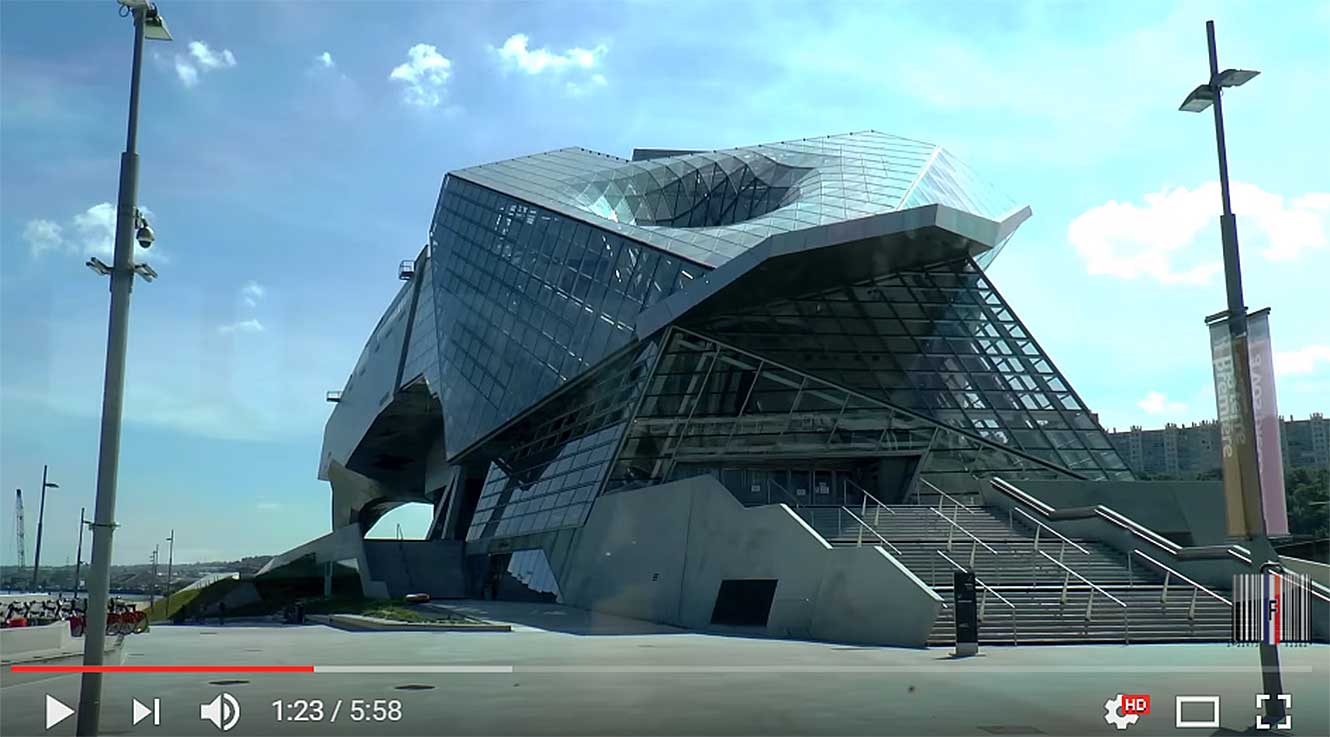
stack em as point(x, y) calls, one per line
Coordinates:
point(1113, 714)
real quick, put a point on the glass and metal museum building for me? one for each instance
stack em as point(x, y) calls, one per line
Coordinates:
point(624, 382)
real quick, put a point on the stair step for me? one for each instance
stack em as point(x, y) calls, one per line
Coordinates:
point(1031, 582)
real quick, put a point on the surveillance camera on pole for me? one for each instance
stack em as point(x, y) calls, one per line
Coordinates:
point(129, 227)
point(144, 235)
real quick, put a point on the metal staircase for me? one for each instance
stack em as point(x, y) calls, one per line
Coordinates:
point(1035, 585)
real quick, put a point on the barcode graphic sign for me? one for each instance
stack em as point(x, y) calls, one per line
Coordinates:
point(1271, 608)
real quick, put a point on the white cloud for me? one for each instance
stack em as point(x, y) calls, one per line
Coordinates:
point(201, 58)
point(252, 292)
point(91, 233)
point(96, 226)
point(324, 60)
point(578, 89)
point(1128, 241)
point(242, 326)
point(42, 236)
point(424, 74)
point(1301, 361)
point(209, 59)
point(1302, 226)
point(516, 54)
point(1157, 403)
point(188, 75)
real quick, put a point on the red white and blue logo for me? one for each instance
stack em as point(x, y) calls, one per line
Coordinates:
point(1271, 608)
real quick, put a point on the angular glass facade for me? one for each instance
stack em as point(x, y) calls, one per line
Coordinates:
point(939, 342)
point(547, 469)
point(422, 354)
point(528, 299)
point(588, 326)
point(813, 181)
point(710, 405)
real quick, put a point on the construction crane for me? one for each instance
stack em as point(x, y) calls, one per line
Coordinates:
point(18, 529)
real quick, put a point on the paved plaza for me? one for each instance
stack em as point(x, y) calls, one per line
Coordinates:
point(563, 671)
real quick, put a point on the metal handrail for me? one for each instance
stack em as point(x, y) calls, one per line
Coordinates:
point(1083, 579)
point(878, 535)
point(870, 496)
point(1089, 600)
point(964, 531)
point(954, 500)
point(1170, 572)
point(785, 491)
point(978, 582)
point(1313, 587)
point(1064, 538)
point(1121, 521)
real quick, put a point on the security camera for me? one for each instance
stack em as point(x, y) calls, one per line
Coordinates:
point(145, 236)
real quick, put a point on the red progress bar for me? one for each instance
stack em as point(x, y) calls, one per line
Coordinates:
point(162, 668)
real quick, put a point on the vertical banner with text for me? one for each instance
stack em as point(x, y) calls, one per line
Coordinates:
point(1266, 410)
point(1243, 512)
point(1232, 435)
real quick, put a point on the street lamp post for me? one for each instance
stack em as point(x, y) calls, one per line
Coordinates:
point(78, 558)
point(170, 558)
point(1264, 557)
point(41, 513)
point(152, 586)
point(147, 24)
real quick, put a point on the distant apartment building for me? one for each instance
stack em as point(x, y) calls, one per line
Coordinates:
point(1186, 450)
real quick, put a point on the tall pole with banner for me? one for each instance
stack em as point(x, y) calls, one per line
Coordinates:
point(1231, 355)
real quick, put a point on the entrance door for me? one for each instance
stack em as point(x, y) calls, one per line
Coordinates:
point(800, 482)
point(822, 487)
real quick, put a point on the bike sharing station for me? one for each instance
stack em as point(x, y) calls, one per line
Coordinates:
point(48, 632)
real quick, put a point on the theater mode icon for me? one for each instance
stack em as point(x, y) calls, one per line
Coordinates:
point(1209, 712)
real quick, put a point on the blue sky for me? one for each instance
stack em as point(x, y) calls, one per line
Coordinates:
point(292, 154)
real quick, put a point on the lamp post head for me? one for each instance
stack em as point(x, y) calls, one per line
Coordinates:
point(1236, 77)
point(154, 27)
point(1201, 98)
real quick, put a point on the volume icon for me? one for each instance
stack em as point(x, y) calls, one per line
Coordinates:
point(223, 711)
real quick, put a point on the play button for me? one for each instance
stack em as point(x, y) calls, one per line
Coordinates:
point(56, 711)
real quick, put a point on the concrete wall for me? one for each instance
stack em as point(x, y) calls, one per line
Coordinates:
point(661, 553)
point(438, 473)
point(1174, 509)
point(431, 567)
point(243, 594)
point(23, 643)
point(342, 544)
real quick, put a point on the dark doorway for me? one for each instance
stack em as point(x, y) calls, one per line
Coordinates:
point(744, 602)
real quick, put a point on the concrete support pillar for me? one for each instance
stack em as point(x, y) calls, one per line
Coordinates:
point(327, 579)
